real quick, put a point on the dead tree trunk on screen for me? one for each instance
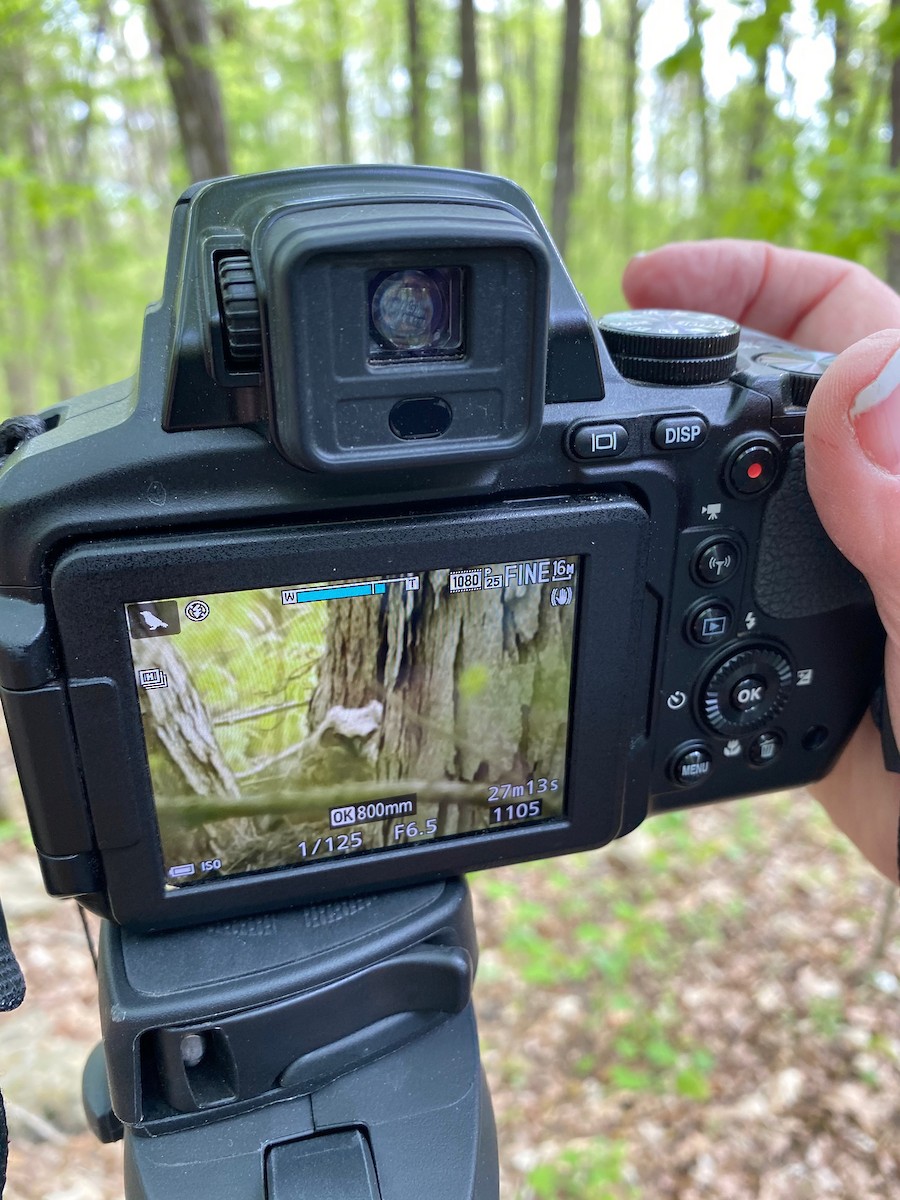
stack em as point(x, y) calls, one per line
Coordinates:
point(473, 687)
point(187, 762)
point(181, 727)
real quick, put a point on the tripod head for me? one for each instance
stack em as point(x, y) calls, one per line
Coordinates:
point(328, 1051)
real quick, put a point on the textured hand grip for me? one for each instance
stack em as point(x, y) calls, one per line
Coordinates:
point(799, 570)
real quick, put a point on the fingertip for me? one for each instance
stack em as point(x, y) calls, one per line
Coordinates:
point(717, 276)
point(648, 279)
point(633, 276)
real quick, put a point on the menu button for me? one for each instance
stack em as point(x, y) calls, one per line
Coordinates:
point(691, 765)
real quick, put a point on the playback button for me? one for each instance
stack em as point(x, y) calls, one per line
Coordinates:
point(709, 622)
point(597, 441)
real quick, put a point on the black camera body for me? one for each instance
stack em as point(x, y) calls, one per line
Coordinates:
point(390, 563)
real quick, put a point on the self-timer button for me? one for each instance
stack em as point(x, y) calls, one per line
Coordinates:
point(751, 469)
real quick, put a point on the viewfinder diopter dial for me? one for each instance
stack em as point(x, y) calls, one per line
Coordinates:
point(659, 345)
point(239, 310)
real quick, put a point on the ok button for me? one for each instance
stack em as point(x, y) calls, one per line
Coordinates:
point(749, 693)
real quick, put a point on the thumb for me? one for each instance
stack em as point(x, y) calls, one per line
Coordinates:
point(853, 472)
point(853, 463)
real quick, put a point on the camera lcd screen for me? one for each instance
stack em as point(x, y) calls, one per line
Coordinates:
point(290, 725)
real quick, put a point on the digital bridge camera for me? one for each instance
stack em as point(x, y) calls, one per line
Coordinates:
point(392, 563)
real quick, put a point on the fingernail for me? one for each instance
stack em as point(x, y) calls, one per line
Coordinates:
point(876, 416)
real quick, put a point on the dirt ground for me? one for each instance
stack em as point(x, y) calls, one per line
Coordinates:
point(706, 1010)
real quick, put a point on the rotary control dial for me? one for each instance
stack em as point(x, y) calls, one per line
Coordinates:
point(804, 369)
point(660, 345)
point(239, 307)
point(746, 690)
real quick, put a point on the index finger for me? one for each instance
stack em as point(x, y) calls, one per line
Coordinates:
point(814, 300)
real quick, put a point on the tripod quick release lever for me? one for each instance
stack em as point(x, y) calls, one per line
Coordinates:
point(304, 1039)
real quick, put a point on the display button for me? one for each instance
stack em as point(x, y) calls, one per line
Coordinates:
point(716, 561)
point(680, 433)
point(598, 441)
point(752, 470)
point(749, 694)
point(765, 748)
point(692, 766)
point(710, 624)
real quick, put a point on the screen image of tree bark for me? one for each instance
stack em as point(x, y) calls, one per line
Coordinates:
point(438, 696)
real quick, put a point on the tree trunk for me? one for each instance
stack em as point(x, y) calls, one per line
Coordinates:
point(893, 246)
point(509, 70)
point(696, 16)
point(184, 43)
point(532, 84)
point(759, 118)
point(339, 90)
point(469, 92)
point(632, 39)
point(841, 98)
point(569, 85)
point(418, 96)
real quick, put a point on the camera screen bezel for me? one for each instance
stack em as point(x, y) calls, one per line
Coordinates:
point(91, 584)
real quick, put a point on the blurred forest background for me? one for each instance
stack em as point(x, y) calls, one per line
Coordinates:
point(709, 1008)
point(630, 121)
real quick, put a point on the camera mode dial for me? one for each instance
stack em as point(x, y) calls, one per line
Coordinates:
point(660, 345)
point(746, 690)
point(239, 309)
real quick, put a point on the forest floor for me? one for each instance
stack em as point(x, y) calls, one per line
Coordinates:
point(707, 1010)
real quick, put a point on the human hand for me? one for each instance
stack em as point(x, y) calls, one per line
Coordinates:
point(852, 439)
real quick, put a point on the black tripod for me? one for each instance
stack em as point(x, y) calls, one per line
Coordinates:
point(325, 1053)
